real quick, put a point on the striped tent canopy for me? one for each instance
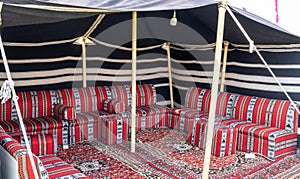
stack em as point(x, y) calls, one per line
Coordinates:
point(39, 41)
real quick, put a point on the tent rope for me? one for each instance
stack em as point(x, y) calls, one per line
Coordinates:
point(124, 48)
point(253, 47)
point(5, 92)
point(20, 44)
point(9, 87)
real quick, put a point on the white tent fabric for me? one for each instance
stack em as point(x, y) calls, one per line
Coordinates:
point(137, 5)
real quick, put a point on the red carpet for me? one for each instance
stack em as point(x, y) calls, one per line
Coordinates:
point(164, 153)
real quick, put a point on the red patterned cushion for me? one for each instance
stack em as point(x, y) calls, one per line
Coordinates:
point(145, 95)
point(103, 93)
point(114, 106)
point(82, 99)
point(113, 129)
point(224, 141)
point(84, 127)
point(6, 112)
point(37, 103)
point(198, 98)
point(271, 148)
point(243, 107)
point(10, 126)
point(122, 93)
point(57, 168)
point(275, 113)
point(41, 144)
point(225, 103)
point(64, 112)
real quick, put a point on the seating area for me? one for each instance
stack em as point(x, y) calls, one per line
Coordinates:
point(53, 118)
point(264, 126)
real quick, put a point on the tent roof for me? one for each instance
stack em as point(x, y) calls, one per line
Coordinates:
point(137, 5)
point(27, 12)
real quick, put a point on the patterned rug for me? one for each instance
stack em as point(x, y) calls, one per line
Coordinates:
point(164, 153)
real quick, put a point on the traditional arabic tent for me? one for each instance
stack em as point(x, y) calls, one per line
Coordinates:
point(39, 42)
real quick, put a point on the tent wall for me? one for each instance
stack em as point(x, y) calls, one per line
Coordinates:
point(59, 66)
point(246, 74)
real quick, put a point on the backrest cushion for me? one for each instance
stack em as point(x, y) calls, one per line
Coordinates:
point(264, 111)
point(8, 111)
point(225, 103)
point(83, 99)
point(35, 104)
point(198, 98)
point(122, 93)
point(275, 113)
point(145, 95)
point(243, 107)
point(103, 93)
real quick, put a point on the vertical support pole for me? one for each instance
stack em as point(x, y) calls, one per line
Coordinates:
point(170, 73)
point(226, 44)
point(83, 45)
point(214, 91)
point(133, 80)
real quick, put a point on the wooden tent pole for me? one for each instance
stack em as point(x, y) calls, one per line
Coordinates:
point(170, 74)
point(214, 90)
point(133, 78)
point(83, 45)
point(226, 44)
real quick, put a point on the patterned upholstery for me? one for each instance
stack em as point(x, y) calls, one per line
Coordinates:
point(114, 106)
point(64, 112)
point(198, 98)
point(197, 103)
point(152, 116)
point(34, 104)
point(145, 95)
point(265, 126)
point(84, 127)
point(83, 99)
point(224, 137)
point(37, 111)
point(59, 169)
point(122, 93)
point(48, 166)
point(113, 129)
point(19, 152)
point(148, 113)
point(182, 118)
point(41, 144)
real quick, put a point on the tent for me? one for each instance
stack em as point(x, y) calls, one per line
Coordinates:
point(39, 41)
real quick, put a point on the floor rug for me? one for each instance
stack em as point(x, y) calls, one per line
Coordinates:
point(164, 153)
